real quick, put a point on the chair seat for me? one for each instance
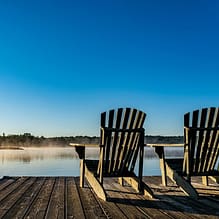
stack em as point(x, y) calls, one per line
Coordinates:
point(177, 165)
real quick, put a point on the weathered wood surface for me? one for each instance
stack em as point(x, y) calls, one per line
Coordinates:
point(62, 197)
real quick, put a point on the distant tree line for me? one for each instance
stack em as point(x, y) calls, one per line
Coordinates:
point(28, 140)
point(164, 139)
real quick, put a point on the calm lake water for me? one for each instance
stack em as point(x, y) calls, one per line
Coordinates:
point(56, 162)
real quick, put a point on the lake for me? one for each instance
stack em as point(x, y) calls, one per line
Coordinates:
point(50, 161)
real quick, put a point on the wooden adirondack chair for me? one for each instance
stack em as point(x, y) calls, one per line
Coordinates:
point(201, 151)
point(121, 142)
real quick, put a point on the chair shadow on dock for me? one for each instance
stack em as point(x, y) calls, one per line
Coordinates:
point(168, 200)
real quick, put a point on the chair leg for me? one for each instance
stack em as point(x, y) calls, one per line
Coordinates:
point(160, 151)
point(82, 173)
point(134, 182)
point(185, 185)
point(163, 172)
point(95, 184)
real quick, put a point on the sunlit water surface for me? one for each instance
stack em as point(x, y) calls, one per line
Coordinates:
point(55, 162)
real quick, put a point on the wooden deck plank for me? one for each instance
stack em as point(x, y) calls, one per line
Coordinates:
point(111, 209)
point(121, 205)
point(154, 208)
point(61, 197)
point(56, 208)
point(90, 205)
point(169, 196)
point(191, 207)
point(39, 206)
point(24, 202)
point(5, 182)
point(166, 204)
point(6, 191)
point(149, 207)
point(132, 199)
point(74, 207)
point(11, 199)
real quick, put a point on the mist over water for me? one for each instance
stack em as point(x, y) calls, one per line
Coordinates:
point(59, 161)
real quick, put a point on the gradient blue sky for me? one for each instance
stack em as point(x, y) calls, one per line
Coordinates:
point(64, 62)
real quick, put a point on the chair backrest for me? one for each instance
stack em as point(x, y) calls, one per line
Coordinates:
point(201, 138)
point(122, 134)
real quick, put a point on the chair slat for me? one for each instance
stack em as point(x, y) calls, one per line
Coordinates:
point(193, 139)
point(127, 141)
point(132, 156)
point(207, 148)
point(108, 139)
point(102, 142)
point(103, 120)
point(142, 117)
point(215, 148)
point(185, 167)
point(200, 136)
point(133, 142)
point(115, 139)
point(123, 136)
point(127, 124)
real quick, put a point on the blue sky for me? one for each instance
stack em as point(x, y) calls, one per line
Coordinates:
point(64, 62)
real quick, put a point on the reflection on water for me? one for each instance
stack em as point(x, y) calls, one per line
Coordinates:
point(29, 154)
point(56, 162)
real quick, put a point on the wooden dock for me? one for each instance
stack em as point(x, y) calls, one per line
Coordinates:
point(61, 197)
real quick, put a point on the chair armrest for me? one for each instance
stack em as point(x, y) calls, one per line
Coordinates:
point(84, 145)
